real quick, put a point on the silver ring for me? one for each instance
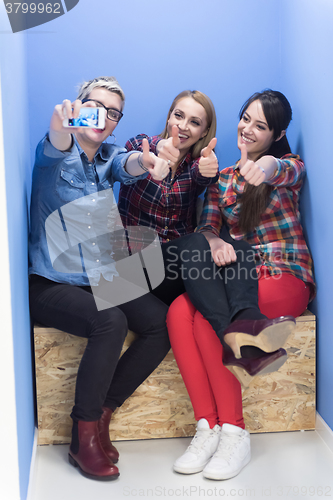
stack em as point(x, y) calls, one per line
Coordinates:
point(169, 161)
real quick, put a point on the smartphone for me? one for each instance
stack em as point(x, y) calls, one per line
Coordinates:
point(88, 117)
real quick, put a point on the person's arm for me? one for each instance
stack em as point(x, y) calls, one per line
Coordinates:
point(135, 143)
point(211, 218)
point(287, 171)
point(210, 225)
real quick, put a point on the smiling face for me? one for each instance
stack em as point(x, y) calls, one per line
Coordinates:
point(93, 138)
point(191, 120)
point(253, 131)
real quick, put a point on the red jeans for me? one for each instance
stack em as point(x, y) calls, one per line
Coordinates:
point(282, 295)
point(214, 392)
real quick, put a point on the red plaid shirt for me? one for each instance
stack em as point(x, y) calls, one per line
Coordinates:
point(278, 239)
point(168, 206)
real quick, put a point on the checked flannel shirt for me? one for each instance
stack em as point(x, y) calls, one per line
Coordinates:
point(168, 206)
point(278, 240)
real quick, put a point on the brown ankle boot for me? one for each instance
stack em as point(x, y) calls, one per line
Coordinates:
point(87, 454)
point(104, 435)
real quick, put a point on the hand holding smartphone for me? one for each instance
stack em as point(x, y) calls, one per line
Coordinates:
point(89, 117)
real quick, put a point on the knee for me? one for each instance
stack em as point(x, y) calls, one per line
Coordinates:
point(154, 321)
point(109, 321)
point(157, 326)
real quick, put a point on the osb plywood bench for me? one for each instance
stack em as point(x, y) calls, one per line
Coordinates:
point(160, 407)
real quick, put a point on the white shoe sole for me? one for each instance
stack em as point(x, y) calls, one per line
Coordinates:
point(190, 470)
point(227, 475)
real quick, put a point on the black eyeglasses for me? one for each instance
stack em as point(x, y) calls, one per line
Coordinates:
point(112, 113)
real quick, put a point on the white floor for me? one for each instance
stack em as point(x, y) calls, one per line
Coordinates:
point(286, 465)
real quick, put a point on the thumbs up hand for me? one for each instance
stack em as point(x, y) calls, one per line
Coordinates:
point(168, 148)
point(157, 167)
point(208, 164)
point(252, 171)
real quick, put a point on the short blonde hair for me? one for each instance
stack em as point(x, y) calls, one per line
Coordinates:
point(208, 106)
point(106, 82)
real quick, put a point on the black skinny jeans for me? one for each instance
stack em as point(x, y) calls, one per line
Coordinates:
point(219, 293)
point(103, 379)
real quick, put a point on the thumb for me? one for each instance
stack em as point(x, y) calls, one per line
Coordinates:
point(175, 137)
point(243, 159)
point(208, 149)
point(145, 150)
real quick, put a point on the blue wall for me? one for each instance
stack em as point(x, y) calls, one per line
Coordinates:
point(226, 48)
point(18, 173)
point(308, 76)
point(156, 50)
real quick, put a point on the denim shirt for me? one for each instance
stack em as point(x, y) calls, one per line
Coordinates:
point(77, 193)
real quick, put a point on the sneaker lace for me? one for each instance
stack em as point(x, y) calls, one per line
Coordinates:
point(227, 447)
point(200, 440)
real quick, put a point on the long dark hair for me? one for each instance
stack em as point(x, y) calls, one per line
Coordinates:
point(278, 114)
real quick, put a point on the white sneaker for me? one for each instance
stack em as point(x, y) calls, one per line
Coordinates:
point(232, 454)
point(201, 449)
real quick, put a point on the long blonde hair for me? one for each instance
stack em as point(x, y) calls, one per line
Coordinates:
point(208, 106)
